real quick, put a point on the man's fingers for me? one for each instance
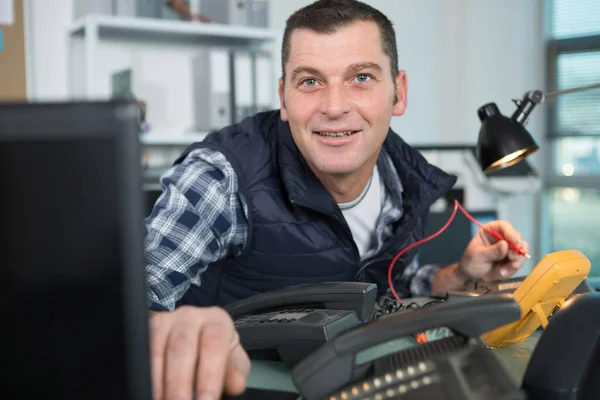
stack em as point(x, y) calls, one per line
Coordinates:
point(159, 332)
point(238, 358)
point(237, 372)
point(181, 357)
point(507, 271)
point(515, 257)
point(505, 229)
point(494, 252)
point(235, 382)
point(213, 358)
point(195, 353)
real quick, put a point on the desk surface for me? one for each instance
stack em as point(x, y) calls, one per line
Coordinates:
point(516, 357)
point(276, 376)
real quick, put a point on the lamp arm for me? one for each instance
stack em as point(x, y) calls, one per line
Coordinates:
point(534, 97)
point(526, 105)
point(573, 90)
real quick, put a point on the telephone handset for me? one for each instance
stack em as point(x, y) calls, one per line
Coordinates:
point(356, 296)
point(287, 324)
point(457, 366)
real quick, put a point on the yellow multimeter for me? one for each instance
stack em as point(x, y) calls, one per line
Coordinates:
point(545, 289)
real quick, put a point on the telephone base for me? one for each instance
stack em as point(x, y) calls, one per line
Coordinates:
point(289, 335)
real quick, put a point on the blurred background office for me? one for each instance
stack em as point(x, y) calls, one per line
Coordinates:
point(193, 76)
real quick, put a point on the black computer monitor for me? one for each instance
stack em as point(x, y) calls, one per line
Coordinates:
point(74, 311)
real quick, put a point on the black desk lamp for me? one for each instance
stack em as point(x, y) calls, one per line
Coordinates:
point(504, 141)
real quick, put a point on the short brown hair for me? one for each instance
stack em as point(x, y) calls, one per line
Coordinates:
point(326, 16)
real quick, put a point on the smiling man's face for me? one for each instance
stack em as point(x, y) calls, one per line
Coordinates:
point(338, 97)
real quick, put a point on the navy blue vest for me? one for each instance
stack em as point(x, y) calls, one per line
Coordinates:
point(297, 233)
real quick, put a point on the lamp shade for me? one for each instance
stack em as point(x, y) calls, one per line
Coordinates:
point(502, 141)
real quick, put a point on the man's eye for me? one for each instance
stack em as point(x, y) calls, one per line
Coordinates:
point(362, 78)
point(309, 82)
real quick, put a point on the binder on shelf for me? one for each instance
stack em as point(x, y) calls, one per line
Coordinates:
point(253, 85)
point(139, 8)
point(211, 88)
point(258, 13)
point(237, 12)
point(81, 8)
point(168, 13)
point(124, 8)
point(243, 99)
point(264, 81)
point(230, 12)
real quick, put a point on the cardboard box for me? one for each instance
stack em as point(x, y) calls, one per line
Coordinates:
point(12, 58)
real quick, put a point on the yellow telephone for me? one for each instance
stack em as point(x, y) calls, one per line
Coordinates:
point(553, 279)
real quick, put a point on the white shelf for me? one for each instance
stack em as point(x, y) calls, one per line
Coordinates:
point(160, 54)
point(176, 139)
point(171, 29)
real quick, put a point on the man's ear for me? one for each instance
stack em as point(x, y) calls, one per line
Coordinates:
point(401, 93)
point(283, 112)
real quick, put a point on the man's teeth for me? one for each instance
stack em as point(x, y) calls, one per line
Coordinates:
point(336, 134)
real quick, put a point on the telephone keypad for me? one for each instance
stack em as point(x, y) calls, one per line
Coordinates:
point(392, 384)
point(281, 316)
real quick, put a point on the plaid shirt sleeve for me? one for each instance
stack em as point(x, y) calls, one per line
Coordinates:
point(419, 277)
point(200, 218)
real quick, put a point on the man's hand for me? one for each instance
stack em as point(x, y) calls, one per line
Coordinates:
point(484, 258)
point(196, 354)
point(488, 259)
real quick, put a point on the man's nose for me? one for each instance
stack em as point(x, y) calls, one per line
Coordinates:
point(336, 101)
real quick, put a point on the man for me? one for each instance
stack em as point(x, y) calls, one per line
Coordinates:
point(320, 190)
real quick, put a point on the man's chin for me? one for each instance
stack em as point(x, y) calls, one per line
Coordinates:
point(337, 169)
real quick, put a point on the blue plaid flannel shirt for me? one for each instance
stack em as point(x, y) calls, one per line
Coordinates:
point(199, 220)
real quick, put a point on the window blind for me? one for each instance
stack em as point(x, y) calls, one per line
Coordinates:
point(574, 18)
point(578, 113)
point(572, 22)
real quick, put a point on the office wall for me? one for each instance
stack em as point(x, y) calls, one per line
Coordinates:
point(458, 55)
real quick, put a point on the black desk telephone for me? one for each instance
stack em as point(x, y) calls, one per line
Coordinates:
point(459, 366)
point(287, 324)
point(324, 331)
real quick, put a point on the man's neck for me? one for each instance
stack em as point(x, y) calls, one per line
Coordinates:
point(345, 188)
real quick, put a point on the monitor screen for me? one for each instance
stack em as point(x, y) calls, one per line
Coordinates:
point(71, 245)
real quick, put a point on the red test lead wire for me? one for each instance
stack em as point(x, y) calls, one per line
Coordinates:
point(513, 246)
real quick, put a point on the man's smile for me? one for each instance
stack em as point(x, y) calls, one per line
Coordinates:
point(336, 138)
point(335, 133)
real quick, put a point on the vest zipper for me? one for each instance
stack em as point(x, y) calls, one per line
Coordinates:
point(337, 215)
point(340, 217)
point(385, 251)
